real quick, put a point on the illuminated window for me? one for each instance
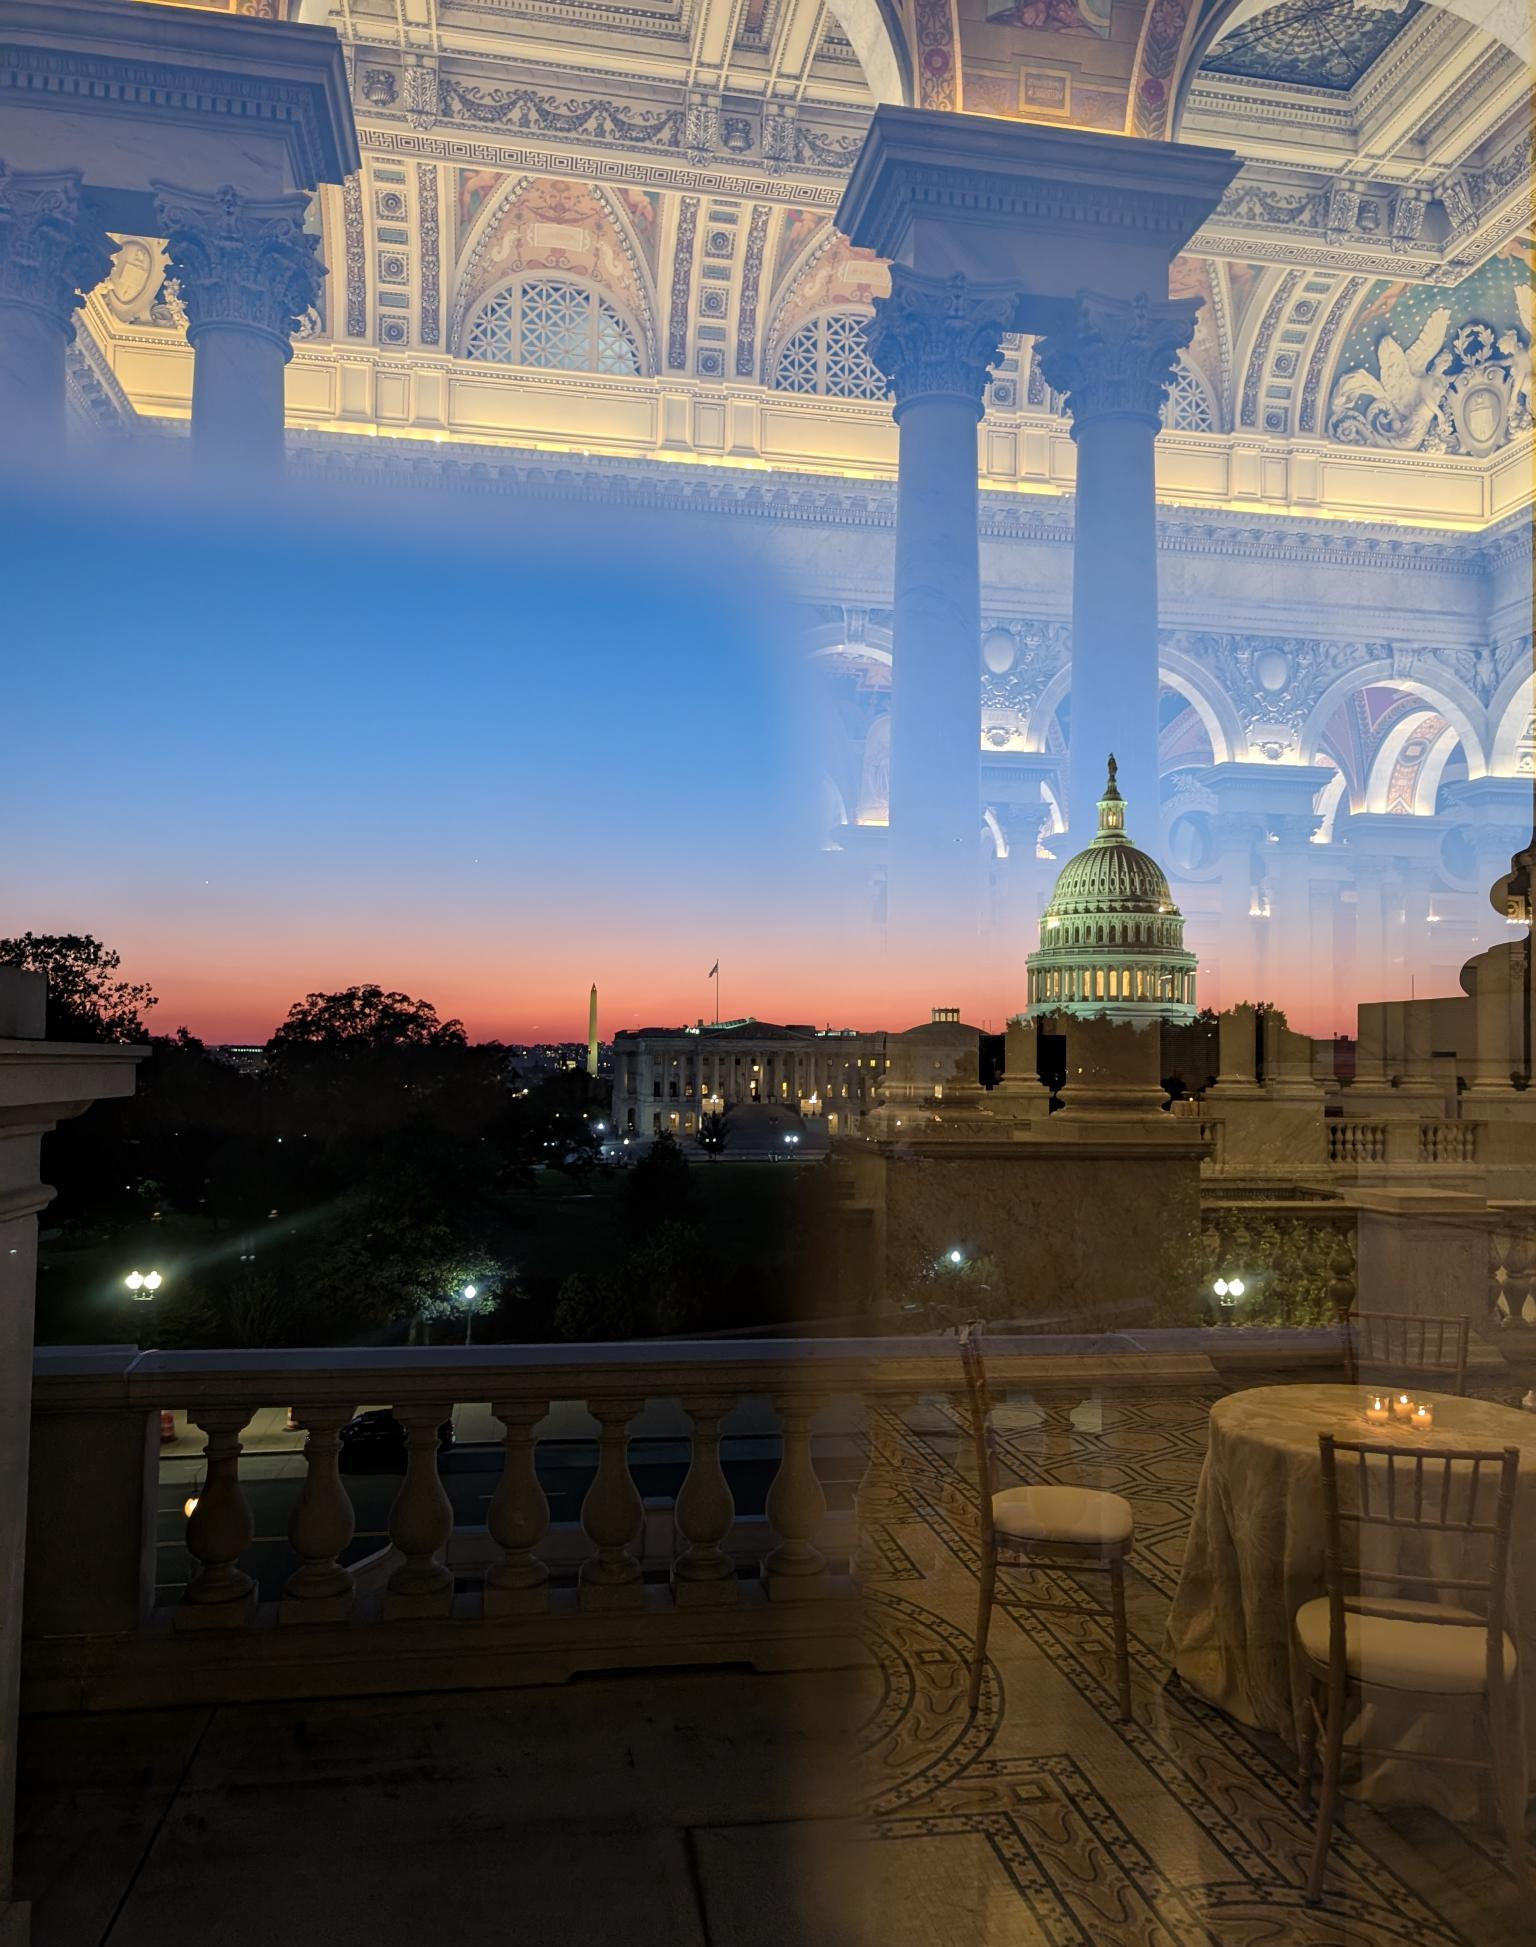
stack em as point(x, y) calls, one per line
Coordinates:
point(828, 355)
point(553, 324)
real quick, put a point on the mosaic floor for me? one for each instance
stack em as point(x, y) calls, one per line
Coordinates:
point(842, 1809)
point(1048, 1820)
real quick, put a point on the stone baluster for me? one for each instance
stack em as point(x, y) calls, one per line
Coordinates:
point(53, 252)
point(1115, 361)
point(881, 1497)
point(321, 1525)
point(796, 1508)
point(518, 1518)
point(612, 1514)
point(248, 272)
point(220, 1593)
point(420, 1524)
point(936, 339)
point(704, 1573)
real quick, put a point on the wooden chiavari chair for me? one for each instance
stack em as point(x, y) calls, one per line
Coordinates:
point(1366, 1641)
point(1040, 1527)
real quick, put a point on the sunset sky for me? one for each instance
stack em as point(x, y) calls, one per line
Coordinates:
point(481, 761)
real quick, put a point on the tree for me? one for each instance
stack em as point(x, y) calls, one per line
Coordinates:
point(658, 1184)
point(361, 1020)
point(86, 1002)
point(712, 1133)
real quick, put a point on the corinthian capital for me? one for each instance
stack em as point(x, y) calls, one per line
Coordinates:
point(51, 251)
point(241, 261)
point(939, 335)
point(1120, 356)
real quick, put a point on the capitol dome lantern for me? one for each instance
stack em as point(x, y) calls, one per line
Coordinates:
point(1111, 938)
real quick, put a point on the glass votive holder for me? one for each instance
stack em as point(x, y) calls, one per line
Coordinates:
point(1402, 1406)
point(1377, 1411)
point(1422, 1417)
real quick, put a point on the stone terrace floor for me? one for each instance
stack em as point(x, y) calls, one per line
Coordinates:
point(852, 1809)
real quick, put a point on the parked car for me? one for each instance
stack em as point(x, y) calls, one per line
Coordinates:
point(374, 1443)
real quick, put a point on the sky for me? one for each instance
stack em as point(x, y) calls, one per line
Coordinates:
point(452, 747)
point(449, 748)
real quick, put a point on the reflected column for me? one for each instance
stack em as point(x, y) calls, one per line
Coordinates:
point(248, 272)
point(936, 339)
point(1116, 360)
point(52, 252)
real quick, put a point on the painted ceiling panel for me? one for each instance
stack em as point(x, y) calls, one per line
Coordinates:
point(1312, 43)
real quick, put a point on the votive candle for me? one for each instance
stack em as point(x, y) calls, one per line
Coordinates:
point(1402, 1406)
point(1423, 1416)
point(1376, 1410)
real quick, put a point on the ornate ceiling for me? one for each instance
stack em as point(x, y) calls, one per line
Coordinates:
point(642, 195)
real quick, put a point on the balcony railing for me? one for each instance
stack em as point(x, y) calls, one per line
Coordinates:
point(516, 1598)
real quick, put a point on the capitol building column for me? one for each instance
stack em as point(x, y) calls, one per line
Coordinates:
point(248, 271)
point(52, 252)
point(936, 339)
point(1116, 361)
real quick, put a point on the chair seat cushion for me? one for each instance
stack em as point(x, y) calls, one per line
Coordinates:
point(1402, 1650)
point(1069, 1514)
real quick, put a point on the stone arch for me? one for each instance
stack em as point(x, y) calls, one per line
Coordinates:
point(826, 274)
point(566, 228)
point(1181, 672)
point(1512, 713)
point(1450, 698)
point(993, 830)
point(874, 31)
point(1442, 738)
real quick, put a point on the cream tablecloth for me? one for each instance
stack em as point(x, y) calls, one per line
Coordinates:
point(1255, 1555)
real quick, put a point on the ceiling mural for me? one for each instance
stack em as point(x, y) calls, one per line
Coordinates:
point(1311, 43)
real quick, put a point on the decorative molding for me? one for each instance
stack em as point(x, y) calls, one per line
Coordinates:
point(53, 250)
point(939, 335)
point(1121, 358)
point(682, 283)
point(431, 253)
point(241, 261)
point(751, 289)
point(357, 260)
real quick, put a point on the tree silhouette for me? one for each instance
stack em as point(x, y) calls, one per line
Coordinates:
point(85, 1000)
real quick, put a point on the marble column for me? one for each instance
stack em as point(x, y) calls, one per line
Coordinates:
point(52, 252)
point(42, 1083)
point(248, 271)
point(936, 339)
point(1115, 361)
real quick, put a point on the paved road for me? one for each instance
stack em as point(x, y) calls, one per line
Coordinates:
point(469, 1474)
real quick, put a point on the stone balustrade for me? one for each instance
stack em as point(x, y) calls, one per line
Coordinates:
point(1447, 1142)
point(443, 1604)
point(1357, 1142)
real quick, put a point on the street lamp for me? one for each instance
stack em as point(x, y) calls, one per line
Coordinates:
point(143, 1284)
point(1228, 1291)
point(467, 1298)
point(956, 1257)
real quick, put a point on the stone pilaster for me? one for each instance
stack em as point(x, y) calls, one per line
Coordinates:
point(248, 271)
point(52, 252)
point(936, 340)
point(1114, 362)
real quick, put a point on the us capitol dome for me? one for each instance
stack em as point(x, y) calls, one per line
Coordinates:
point(1111, 938)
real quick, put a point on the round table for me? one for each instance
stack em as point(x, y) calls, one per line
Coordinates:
point(1255, 1554)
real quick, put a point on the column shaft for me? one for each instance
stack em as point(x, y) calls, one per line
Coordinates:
point(237, 395)
point(1114, 617)
point(936, 340)
point(1115, 363)
point(936, 686)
